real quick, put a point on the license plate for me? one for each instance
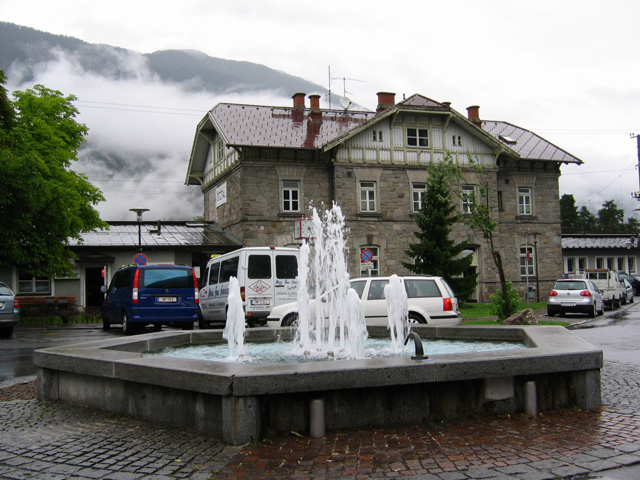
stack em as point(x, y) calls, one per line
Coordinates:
point(260, 302)
point(568, 304)
point(167, 299)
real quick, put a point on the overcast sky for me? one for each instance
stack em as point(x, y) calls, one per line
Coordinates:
point(567, 70)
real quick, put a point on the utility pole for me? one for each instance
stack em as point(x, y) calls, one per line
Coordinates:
point(636, 195)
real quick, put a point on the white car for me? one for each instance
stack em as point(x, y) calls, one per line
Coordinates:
point(430, 300)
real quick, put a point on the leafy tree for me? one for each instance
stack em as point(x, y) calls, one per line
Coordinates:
point(610, 218)
point(6, 112)
point(569, 214)
point(43, 202)
point(632, 225)
point(435, 253)
point(481, 220)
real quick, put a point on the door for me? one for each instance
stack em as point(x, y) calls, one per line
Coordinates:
point(94, 279)
point(286, 282)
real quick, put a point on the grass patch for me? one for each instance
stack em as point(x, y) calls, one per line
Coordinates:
point(58, 320)
point(479, 310)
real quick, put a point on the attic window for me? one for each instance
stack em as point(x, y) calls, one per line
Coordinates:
point(508, 140)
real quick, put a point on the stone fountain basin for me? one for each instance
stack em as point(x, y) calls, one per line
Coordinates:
point(242, 402)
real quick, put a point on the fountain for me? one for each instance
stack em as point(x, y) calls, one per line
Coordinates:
point(238, 402)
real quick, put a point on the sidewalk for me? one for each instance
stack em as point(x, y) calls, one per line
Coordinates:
point(60, 441)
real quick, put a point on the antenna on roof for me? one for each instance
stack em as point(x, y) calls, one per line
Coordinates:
point(345, 102)
point(344, 89)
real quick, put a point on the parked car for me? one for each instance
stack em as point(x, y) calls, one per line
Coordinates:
point(151, 294)
point(430, 300)
point(634, 281)
point(628, 292)
point(9, 311)
point(572, 295)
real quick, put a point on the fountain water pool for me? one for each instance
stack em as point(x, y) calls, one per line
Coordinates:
point(239, 402)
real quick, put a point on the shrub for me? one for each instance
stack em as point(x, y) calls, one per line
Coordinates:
point(498, 306)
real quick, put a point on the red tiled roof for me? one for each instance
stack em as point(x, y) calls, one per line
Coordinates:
point(263, 126)
point(527, 144)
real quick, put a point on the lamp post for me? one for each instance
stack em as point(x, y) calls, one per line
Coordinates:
point(139, 212)
point(535, 259)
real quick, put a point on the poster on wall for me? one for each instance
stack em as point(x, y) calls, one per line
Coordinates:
point(221, 195)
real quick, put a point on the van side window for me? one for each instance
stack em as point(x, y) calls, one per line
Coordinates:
point(286, 266)
point(213, 273)
point(122, 279)
point(376, 289)
point(422, 288)
point(259, 266)
point(228, 269)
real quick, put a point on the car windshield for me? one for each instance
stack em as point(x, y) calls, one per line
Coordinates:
point(4, 290)
point(167, 278)
point(575, 285)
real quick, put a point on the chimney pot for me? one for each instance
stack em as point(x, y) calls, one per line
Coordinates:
point(298, 100)
point(314, 107)
point(385, 100)
point(473, 113)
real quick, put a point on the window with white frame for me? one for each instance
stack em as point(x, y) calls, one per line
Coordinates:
point(582, 264)
point(290, 196)
point(33, 285)
point(524, 200)
point(571, 265)
point(599, 262)
point(526, 261)
point(418, 192)
point(377, 136)
point(456, 140)
point(610, 263)
point(620, 264)
point(367, 196)
point(468, 196)
point(417, 137)
point(372, 267)
point(631, 261)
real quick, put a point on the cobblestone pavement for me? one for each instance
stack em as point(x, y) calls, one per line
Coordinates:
point(57, 441)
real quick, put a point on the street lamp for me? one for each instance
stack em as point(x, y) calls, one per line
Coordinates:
point(139, 212)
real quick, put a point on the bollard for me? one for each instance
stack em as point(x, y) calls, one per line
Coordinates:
point(316, 418)
point(530, 399)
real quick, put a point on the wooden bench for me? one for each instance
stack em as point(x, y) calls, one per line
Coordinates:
point(34, 306)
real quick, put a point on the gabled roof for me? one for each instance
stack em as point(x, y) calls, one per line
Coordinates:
point(172, 235)
point(526, 143)
point(262, 126)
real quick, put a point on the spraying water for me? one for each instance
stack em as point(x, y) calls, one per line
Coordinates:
point(235, 326)
point(396, 298)
point(334, 323)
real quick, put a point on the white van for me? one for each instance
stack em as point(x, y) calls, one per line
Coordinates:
point(267, 277)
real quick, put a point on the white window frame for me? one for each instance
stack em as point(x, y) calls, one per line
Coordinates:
point(418, 190)
point(525, 201)
point(631, 263)
point(570, 265)
point(583, 264)
point(34, 286)
point(377, 136)
point(290, 194)
point(599, 263)
point(418, 137)
point(368, 197)
point(467, 192)
point(527, 268)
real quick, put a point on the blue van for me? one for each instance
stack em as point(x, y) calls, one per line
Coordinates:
point(140, 295)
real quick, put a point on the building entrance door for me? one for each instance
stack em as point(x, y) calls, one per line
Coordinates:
point(94, 279)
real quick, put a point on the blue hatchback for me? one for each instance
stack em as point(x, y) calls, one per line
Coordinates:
point(151, 294)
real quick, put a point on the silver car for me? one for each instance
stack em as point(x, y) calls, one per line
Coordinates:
point(575, 296)
point(9, 311)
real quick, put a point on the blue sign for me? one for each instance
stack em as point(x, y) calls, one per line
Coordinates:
point(366, 255)
point(140, 259)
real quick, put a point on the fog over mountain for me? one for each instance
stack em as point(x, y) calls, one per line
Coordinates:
point(141, 110)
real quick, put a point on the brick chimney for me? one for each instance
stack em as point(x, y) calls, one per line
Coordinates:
point(314, 107)
point(298, 100)
point(473, 113)
point(385, 100)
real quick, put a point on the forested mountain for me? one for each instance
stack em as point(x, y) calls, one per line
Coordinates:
point(29, 49)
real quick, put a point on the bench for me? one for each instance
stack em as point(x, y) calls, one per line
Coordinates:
point(33, 306)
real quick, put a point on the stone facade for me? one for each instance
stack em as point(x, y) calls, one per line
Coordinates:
point(380, 155)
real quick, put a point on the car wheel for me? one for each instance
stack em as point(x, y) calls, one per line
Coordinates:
point(157, 327)
point(290, 320)
point(127, 325)
point(551, 313)
point(415, 318)
point(593, 313)
point(202, 324)
point(106, 325)
point(187, 326)
point(6, 332)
